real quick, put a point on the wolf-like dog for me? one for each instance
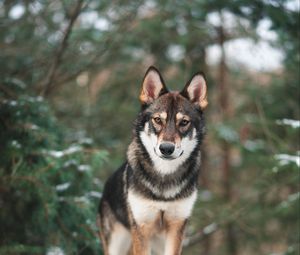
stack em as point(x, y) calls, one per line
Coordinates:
point(147, 201)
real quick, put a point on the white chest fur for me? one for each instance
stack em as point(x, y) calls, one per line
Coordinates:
point(146, 210)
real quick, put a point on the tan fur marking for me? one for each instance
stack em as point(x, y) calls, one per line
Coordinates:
point(175, 234)
point(203, 99)
point(108, 228)
point(160, 137)
point(163, 118)
point(151, 87)
point(143, 97)
point(203, 103)
point(177, 140)
point(142, 234)
point(120, 240)
point(101, 235)
point(141, 238)
point(179, 116)
point(163, 115)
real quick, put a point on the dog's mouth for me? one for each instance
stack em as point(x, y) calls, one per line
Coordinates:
point(167, 157)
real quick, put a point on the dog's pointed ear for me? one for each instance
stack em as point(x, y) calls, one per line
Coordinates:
point(153, 86)
point(196, 91)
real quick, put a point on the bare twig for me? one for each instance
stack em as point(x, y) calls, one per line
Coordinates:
point(8, 92)
point(220, 224)
point(201, 235)
point(270, 136)
point(47, 84)
point(111, 44)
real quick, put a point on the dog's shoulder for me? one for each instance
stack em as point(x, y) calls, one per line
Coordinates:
point(114, 195)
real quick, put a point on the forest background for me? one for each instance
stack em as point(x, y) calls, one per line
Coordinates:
point(70, 75)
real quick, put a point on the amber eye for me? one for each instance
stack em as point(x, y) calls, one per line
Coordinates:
point(157, 120)
point(184, 123)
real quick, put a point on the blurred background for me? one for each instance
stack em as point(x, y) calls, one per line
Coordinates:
point(70, 76)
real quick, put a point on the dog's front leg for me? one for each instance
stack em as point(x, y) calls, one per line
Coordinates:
point(175, 234)
point(140, 239)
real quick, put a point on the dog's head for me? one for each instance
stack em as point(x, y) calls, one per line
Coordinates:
point(170, 125)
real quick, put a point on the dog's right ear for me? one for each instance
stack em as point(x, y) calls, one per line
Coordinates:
point(196, 91)
point(153, 86)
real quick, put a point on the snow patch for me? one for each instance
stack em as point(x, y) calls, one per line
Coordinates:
point(17, 11)
point(55, 251)
point(71, 162)
point(86, 140)
point(285, 159)
point(10, 102)
point(290, 200)
point(63, 186)
point(289, 122)
point(95, 194)
point(16, 144)
point(84, 168)
point(97, 181)
point(34, 127)
point(58, 154)
point(210, 228)
point(82, 199)
point(253, 145)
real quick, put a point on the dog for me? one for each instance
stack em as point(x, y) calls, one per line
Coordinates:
point(146, 203)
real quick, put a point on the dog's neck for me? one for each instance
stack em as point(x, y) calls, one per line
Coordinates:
point(151, 182)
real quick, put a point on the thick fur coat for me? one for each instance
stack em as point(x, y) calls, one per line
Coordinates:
point(147, 201)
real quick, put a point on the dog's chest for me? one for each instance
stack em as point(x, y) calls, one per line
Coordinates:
point(146, 210)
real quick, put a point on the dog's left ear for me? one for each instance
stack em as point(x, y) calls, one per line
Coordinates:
point(196, 91)
point(153, 86)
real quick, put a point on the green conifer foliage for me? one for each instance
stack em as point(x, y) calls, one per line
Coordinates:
point(48, 191)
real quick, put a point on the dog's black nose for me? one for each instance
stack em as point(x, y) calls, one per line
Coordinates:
point(167, 148)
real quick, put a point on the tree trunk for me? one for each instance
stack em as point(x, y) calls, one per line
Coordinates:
point(225, 110)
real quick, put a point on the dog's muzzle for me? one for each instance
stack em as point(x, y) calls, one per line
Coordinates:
point(167, 149)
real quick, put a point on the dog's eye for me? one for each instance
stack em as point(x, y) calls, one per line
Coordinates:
point(157, 120)
point(184, 123)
